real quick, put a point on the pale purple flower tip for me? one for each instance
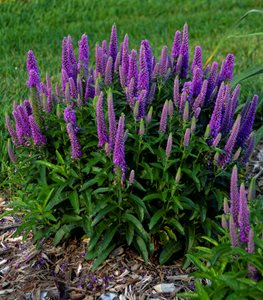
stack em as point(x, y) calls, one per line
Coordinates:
point(117, 63)
point(163, 121)
point(183, 100)
point(248, 148)
point(108, 71)
point(226, 207)
point(234, 195)
point(125, 59)
point(233, 232)
point(119, 151)
point(155, 71)
point(217, 140)
point(37, 135)
point(64, 78)
point(197, 112)
point(149, 115)
point(150, 98)
point(176, 45)
point(224, 222)
point(212, 80)
point(112, 122)
point(169, 145)
point(11, 153)
point(197, 61)
point(176, 92)
point(75, 146)
point(133, 68)
point(90, 90)
point(143, 80)
point(80, 86)
point(187, 136)
point(12, 131)
point(131, 177)
point(243, 216)
point(32, 65)
point(113, 47)
point(251, 243)
point(33, 79)
point(141, 127)
point(104, 47)
point(83, 59)
point(101, 127)
point(163, 62)
point(199, 101)
point(170, 109)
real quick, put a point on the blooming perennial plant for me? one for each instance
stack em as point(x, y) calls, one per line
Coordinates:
point(151, 144)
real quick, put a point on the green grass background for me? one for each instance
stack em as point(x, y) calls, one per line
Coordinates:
point(41, 25)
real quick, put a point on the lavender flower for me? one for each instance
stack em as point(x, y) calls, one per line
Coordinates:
point(101, 128)
point(70, 117)
point(211, 80)
point(199, 101)
point(133, 68)
point(149, 115)
point(75, 146)
point(33, 79)
point(169, 145)
point(225, 156)
point(187, 136)
point(142, 104)
point(183, 100)
point(112, 122)
point(150, 98)
point(125, 59)
point(163, 62)
point(215, 121)
point(117, 63)
point(229, 67)
point(90, 91)
point(197, 61)
point(176, 92)
point(37, 135)
point(119, 151)
point(186, 112)
point(234, 195)
point(79, 87)
point(19, 128)
point(217, 140)
point(73, 88)
point(143, 80)
point(197, 81)
point(113, 47)
point(12, 131)
point(108, 71)
point(83, 59)
point(176, 45)
point(65, 62)
point(32, 65)
point(72, 60)
point(27, 107)
point(247, 123)
point(64, 78)
point(233, 232)
point(131, 177)
point(99, 57)
point(248, 149)
point(226, 207)
point(243, 216)
point(148, 56)
point(10, 152)
point(184, 52)
point(163, 121)
point(130, 93)
point(104, 47)
point(170, 108)
point(141, 127)
point(179, 64)
point(237, 154)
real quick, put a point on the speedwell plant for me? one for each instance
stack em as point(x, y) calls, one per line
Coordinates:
point(135, 151)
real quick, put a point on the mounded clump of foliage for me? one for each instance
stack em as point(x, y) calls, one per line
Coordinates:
point(136, 151)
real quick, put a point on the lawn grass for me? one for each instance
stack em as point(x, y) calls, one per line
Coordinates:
point(41, 25)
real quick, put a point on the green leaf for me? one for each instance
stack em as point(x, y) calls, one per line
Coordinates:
point(188, 295)
point(60, 158)
point(139, 186)
point(168, 250)
point(101, 190)
point(97, 234)
point(246, 74)
point(47, 198)
point(137, 224)
point(129, 234)
point(259, 135)
point(140, 205)
point(177, 225)
point(102, 257)
point(61, 233)
point(142, 248)
point(102, 213)
point(152, 197)
point(56, 168)
point(156, 217)
point(201, 291)
point(192, 175)
point(74, 200)
point(197, 262)
point(108, 237)
point(89, 183)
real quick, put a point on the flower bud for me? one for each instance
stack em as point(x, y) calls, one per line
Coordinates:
point(67, 93)
point(178, 175)
point(149, 115)
point(193, 124)
point(131, 177)
point(169, 145)
point(187, 136)
point(136, 110)
point(141, 129)
point(186, 112)
point(252, 190)
point(207, 132)
point(170, 108)
point(226, 206)
point(237, 154)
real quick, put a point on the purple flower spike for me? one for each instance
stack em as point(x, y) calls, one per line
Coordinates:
point(37, 135)
point(155, 71)
point(176, 92)
point(75, 146)
point(143, 81)
point(176, 45)
point(101, 128)
point(170, 109)
point(233, 232)
point(248, 149)
point(197, 61)
point(33, 79)
point(130, 93)
point(142, 104)
point(179, 64)
point(225, 156)
point(197, 81)
point(243, 216)
point(83, 59)
point(163, 62)
point(148, 55)
point(251, 243)
point(113, 47)
point(28, 107)
point(125, 59)
point(108, 71)
point(11, 153)
point(32, 65)
point(150, 98)
point(211, 80)
point(247, 122)
point(119, 151)
point(72, 59)
point(70, 117)
point(12, 131)
point(229, 67)
point(65, 62)
point(133, 68)
point(117, 63)
point(217, 140)
point(104, 47)
point(187, 136)
point(112, 122)
point(72, 88)
point(169, 145)
point(184, 51)
point(199, 101)
point(183, 100)
point(234, 195)
point(163, 121)
point(226, 207)
point(99, 57)
point(215, 121)
point(65, 79)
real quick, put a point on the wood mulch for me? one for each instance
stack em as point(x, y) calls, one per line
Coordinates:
point(62, 273)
